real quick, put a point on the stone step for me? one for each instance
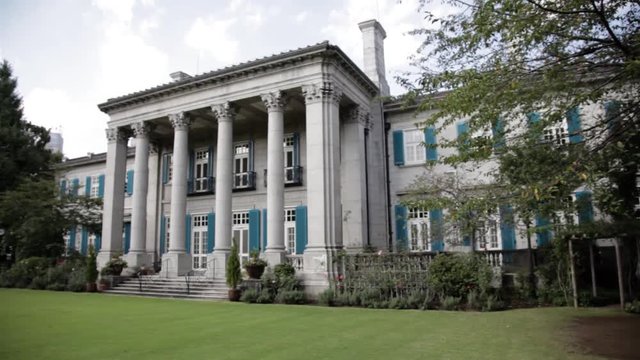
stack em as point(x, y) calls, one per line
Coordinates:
point(168, 295)
point(172, 289)
point(156, 286)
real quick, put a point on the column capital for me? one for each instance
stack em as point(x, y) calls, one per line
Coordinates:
point(180, 121)
point(274, 101)
point(325, 91)
point(360, 115)
point(141, 129)
point(154, 148)
point(224, 112)
point(116, 135)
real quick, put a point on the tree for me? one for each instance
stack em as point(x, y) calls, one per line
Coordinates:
point(22, 152)
point(499, 61)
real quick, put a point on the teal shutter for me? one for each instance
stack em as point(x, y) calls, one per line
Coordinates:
point(163, 234)
point(211, 232)
point(72, 239)
point(534, 118)
point(187, 238)
point(130, 182)
point(98, 245)
point(264, 229)
point(507, 228)
point(75, 184)
point(101, 186)
point(462, 129)
point(165, 169)
point(497, 131)
point(254, 230)
point(301, 229)
point(63, 187)
point(573, 125)
point(398, 147)
point(585, 207)
point(466, 240)
point(612, 113)
point(543, 234)
point(430, 142)
point(401, 228)
point(437, 233)
point(87, 186)
point(296, 149)
point(85, 241)
point(127, 237)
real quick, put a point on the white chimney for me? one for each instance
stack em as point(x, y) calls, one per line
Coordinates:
point(373, 36)
point(179, 75)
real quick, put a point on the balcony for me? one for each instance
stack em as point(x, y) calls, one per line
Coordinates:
point(244, 181)
point(201, 186)
point(292, 176)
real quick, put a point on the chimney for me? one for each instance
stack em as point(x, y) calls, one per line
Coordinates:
point(373, 36)
point(179, 75)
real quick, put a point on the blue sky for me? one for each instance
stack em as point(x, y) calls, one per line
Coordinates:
point(70, 55)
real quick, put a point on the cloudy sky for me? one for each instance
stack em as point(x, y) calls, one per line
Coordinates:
point(70, 55)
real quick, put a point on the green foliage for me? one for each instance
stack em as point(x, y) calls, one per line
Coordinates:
point(291, 297)
point(92, 267)
point(282, 279)
point(77, 280)
point(234, 277)
point(632, 307)
point(265, 297)
point(23, 272)
point(327, 297)
point(451, 303)
point(250, 296)
point(284, 270)
point(113, 267)
point(493, 304)
point(457, 274)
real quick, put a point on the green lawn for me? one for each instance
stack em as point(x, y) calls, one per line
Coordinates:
point(61, 325)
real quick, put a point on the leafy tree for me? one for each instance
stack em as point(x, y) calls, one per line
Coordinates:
point(22, 152)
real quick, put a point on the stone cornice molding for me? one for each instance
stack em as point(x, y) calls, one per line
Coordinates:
point(141, 129)
point(224, 112)
point(274, 101)
point(116, 135)
point(326, 91)
point(180, 121)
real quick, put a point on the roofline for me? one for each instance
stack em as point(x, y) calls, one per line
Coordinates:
point(323, 49)
point(400, 103)
point(90, 159)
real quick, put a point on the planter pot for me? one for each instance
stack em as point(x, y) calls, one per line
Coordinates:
point(92, 287)
point(234, 294)
point(255, 271)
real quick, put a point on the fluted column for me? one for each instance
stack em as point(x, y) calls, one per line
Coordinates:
point(225, 115)
point(113, 210)
point(179, 261)
point(324, 215)
point(137, 255)
point(275, 103)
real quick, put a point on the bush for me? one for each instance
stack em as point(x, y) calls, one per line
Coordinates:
point(77, 280)
point(22, 273)
point(327, 297)
point(473, 300)
point(454, 275)
point(250, 296)
point(291, 297)
point(450, 303)
point(398, 303)
point(265, 297)
point(632, 307)
point(493, 304)
point(92, 268)
point(57, 286)
point(39, 282)
point(284, 270)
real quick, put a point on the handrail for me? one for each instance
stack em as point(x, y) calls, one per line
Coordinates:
point(187, 279)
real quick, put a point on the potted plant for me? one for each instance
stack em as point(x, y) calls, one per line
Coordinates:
point(114, 267)
point(255, 266)
point(91, 270)
point(234, 277)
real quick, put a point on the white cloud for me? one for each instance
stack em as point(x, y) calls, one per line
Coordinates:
point(301, 16)
point(212, 37)
point(82, 126)
point(121, 10)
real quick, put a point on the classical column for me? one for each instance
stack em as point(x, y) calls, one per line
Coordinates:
point(179, 261)
point(323, 182)
point(275, 103)
point(225, 115)
point(153, 209)
point(353, 172)
point(113, 210)
point(137, 255)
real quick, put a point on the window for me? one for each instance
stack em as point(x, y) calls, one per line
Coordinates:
point(169, 167)
point(419, 230)
point(95, 186)
point(199, 236)
point(556, 134)
point(241, 170)
point(91, 241)
point(487, 235)
point(414, 146)
point(77, 240)
point(290, 230)
point(201, 171)
point(290, 169)
point(241, 233)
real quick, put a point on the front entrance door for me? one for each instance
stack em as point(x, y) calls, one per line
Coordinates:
point(241, 234)
point(199, 235)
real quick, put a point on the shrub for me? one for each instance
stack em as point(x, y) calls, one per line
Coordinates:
point(57, 286)
point(265, 297)
point(473, 300)
point(233, 274)
point(250, 296)
point(39, 282)
point(454, 275)
point(398, 303)
point(632, 307)
point(450, 303)
point(22, 273)
point(91, 274)
point(284, 270)
point(493, 304)
point(58, 275)
point(327, 297)
point(291, 297)
point(77, 281)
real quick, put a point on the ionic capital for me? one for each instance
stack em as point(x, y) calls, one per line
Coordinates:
point(274, 101)
point(180, 121)
point(325, 91)
point(116, 135)
point(224, 112)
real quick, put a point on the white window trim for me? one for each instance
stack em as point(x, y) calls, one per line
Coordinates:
point(204, 179)
point(420, 221)
point(486, 232)
point(417, 148)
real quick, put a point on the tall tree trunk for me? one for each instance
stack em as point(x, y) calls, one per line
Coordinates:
point(574, 285)
point(531, 276)
point(616, 244)
point(594, 289)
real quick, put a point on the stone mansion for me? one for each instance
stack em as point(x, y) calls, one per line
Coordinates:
point(294, 155)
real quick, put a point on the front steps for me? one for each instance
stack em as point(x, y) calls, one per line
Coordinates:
point(155, 286)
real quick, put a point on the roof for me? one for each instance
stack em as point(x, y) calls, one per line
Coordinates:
point(90, 159)
point(323, 49)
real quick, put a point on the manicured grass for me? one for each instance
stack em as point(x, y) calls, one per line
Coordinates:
point(57, 325)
